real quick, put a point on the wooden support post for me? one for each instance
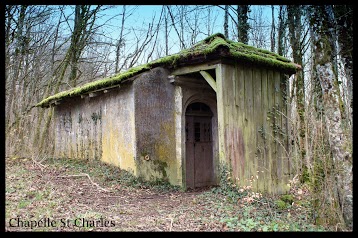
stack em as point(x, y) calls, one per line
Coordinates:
point(209, 79)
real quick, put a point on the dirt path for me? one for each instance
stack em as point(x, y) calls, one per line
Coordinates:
point(75, 202)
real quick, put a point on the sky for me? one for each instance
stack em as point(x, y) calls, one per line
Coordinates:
point(139, 17)
point(143, 15)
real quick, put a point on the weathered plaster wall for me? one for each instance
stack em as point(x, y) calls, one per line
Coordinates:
point(118, 128)
point(155, 127)
point(253, 126)
point(78, 129)
point(100, 127)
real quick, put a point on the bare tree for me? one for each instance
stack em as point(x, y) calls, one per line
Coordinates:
point(25, 63)
point(17, 63)
point(260, 29)
point(179, 32)
point(85, 18)
point(208, 22)
point(324, 71)
point(294, 13)
point(120, 42)
point(38, 56)
point(143, 40)
point(193, 24)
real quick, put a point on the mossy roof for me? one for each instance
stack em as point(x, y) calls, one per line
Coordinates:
point(210, 46)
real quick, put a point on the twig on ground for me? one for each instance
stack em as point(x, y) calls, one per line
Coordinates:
point(171, 223)
point(38, 163)
point(158, 229)
point(84, 175)
point(269, 207)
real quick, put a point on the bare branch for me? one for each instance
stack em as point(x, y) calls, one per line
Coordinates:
point(84, 175)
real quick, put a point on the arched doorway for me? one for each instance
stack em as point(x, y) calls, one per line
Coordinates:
point(199, 145)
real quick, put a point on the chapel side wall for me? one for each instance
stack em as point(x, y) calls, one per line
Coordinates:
point(118, 137)
point(253, 126)
point(78, 129)
point(155, 127)
point(99, 127)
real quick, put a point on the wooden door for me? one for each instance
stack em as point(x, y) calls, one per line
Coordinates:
point(199, 151)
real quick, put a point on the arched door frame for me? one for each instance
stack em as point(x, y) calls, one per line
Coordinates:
point(211, 102)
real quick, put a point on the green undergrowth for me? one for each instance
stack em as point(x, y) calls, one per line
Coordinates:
point(263, 212)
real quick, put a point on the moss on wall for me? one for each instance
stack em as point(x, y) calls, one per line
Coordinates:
point(160, 167)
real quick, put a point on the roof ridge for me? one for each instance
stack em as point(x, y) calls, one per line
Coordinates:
point(205, 47)
point(211, 37)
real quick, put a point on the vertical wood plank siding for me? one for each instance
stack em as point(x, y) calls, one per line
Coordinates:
point(253, 126)
point(258, 122)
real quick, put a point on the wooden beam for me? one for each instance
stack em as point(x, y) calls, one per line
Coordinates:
point(58, 102)
point(184, 79)
point(106, 89)
point(193, 69)
point(92, 94)
point(188, 82)
point(95, 92)
point(209, 79)
point(171, 78)
point(193, 85)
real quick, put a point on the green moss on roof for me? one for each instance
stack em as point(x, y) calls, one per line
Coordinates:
point(209, 45)
point(102, 83)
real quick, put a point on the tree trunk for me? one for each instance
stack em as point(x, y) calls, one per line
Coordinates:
point(226, 23)
point(273, 30)
point(166, 31)
point(82, 31)
point(281, 31)
point(295, 27)
point(242, 23)
point(18, 58)
point(344, 21)
point(75, 45)
point(324, 69)
point(120, 41)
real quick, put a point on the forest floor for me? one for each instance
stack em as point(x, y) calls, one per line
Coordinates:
point(75, 195)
